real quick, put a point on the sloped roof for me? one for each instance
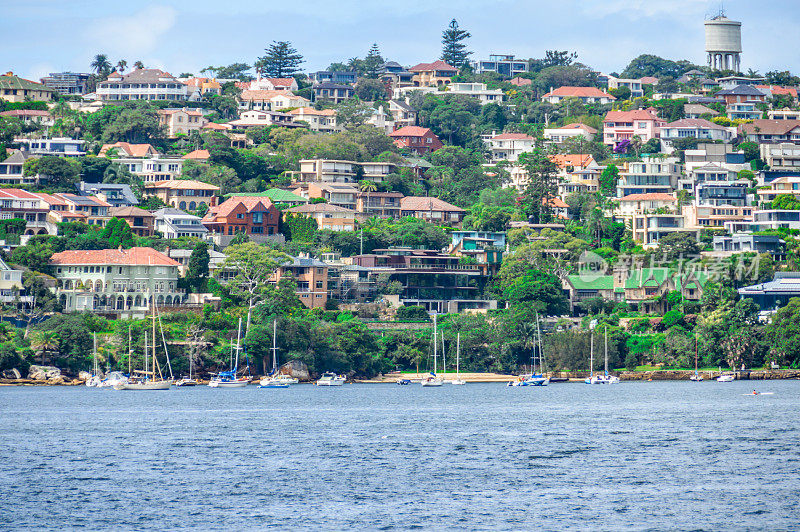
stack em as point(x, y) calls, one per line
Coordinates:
point(763, 126)
point(577, 125)
point(562, 160)
point(512, 136)
point(182, 184)
point(427, 203)
point(521, 82)
point(652, 196)
point(436, 65)
point(628, 116)
point(693, 123)
point(133, 257)
point(741, 90)
point(130, 211)
point(320, 207)
point(591, 282)
point(132, 150)
point(312, 111)
point(202, 155)
point(696, 108)
point(143, 75)
point(579, 92)
point(10, 81)
point(410, 131)
point(647, 277)
point(227, 207)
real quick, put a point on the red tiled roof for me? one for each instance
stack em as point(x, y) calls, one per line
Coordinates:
point(427, 203)
point(562, 160)
point(50, 199)
point(182, 184)
point(132, 257)
point(17, 193)
point(227, 207)
point(777, 89)
point(557, 203)
point(578, 125)
point(579, 92)
point(281, 82)
point(312, 111)
point(512, 136)
point(133, 150)
point(25, 112)
point(653, 196)
point(410, 131)
point(202, 155)
point(648, 80)
point(436, 65)
point(216, 126)
point(249, 94)
point(521, 82)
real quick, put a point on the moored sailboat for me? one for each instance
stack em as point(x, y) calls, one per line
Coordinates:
point(230, 379)
point(458, 380)
point(274, 380)
point(95, 380)
point(432, 379)
point(606, 378)
point(151, 376)
point(696, 377)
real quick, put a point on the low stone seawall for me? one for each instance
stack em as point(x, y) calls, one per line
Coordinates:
point(677, 375)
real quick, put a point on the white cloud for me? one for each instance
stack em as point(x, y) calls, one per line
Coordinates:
point(134, 35)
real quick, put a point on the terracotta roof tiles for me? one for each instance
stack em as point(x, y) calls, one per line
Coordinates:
point(131, 257)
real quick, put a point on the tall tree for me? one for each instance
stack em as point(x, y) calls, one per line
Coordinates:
point(101, 65)
point(197, 270)
point(373, 63)
point(122, 65)
point(454, 49)
point(281, 60)
point(138, 65)
point(542, 183)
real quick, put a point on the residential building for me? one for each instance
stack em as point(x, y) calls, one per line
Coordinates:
point(743, 111)
point(429, 278)
point(772, 295)
point(67, 83)
point(154, 168)
point(11, 172)
point(697, 128)
point(723, 155)
point(380, 204)
point(509, 146)
point(521, 82)
point(559, 135)
point(90, 210)
point(174, 223)
point(503, 64)
point(197, 88)
point(582, 287)
point(181, 121)
point(569, 163)
point(120, 282)
point(274, 100)
point(277, 196)
point(381, 119)
point(731, 82)
point(431, 209)
point(243, 214)
point(580, 181)
point(393, 75)
point(782, 185)
point(766, 131)
point(783, 114)
point(197, 155)
point(341, 194)
point(633, 204)
point(269, 84)
point(28, 206)
point(782, 156)
point(327, 216)
point(634, 85)
point(141, 222)
point(403, 113)
point(31, 117)
point(741, 94)
point(624, 125)
point(749, 243)
point(183, 193)
point(116, 195)
point(126, 149)
point(12, 290)
point(584, 94)
point(216, 268)
point(55, 147)
point(322, 120)
point(485, 247)
point(722, 216)
point(311, 276)
point(341, 77)
point(15, 89)
point(709, 173)
point(432, 74)
point(142, 84)
point(770, 91)
point(644, 288)
point(333, 92)
point(249, 119)
point(696, 110)
point(477, 91)
point(417, 140)
point(651, 175)
point(326, 171)
point(769, 219)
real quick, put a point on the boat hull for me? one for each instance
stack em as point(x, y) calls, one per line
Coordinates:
point(151, 385)
point(726, 378)
point(330, 383)
point(186, 382)
point(228, 384)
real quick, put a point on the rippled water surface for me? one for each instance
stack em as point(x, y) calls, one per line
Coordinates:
point(643, 456)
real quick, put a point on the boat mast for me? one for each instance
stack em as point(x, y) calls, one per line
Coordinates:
point(130, 353)
point(238, 343)
point(274, 346)
point(435, 334)
point(145, 350)
point(94, 352)
point(591, 352)
point(458, 353)
point(444, 360)
point(541, 350)
point(605, 341)
point(154, 339)
point(695, 353)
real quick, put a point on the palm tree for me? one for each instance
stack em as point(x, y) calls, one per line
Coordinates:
point(122, 65)
point(101, 64)
point(367, 186)
point(44, 341)
point(138, 65)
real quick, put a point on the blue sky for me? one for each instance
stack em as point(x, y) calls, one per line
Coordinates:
point(40, 36)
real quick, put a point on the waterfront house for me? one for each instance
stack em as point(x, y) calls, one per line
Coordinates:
point(183, 193)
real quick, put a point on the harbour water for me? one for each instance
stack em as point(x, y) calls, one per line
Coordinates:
point(638, 456)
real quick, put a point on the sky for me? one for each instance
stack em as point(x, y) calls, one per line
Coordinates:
point(42, 36)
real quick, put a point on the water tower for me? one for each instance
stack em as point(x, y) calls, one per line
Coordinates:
point(723, 43)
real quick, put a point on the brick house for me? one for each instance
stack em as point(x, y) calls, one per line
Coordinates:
point(416, 139)
point(243, 214)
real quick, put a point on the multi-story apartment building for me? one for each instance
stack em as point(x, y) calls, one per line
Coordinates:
point(509, 146)
point(322, 120)
point(776, 187)
point(28, 206)
point(477, 91)
point(311, 276)
point(120, 282)
point(55, 147)
point(652, 175)
point(380, 204)
point(141, 222)
point(67, 83)
point(782, 156)
point(341, 194)
point(503, 64)
point(174, 223)
point(183, 193)
point(181, 121)
point(743, 111)
point(328, 76)
point(721, 216)
point(624, 125)
point(142, 84)
point(333, 92)
point(331, 217)
point(249, 119)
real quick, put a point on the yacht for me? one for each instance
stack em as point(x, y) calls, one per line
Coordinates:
point(696, 377)
point(606, 378)
point(114, 378)
point(95, 380)
point(432, 379)
point(275, 380)
point(150, 377)
point(229, 379)
point(533, 378)
point(331, 379)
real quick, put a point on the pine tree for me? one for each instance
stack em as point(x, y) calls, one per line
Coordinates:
point(454, 50)
point(542, 183)
point(373, 63)
point(280, 61)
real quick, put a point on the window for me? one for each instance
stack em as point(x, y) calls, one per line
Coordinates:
point(240, 216)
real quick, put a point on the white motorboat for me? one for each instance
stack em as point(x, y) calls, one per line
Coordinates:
point(458, 380)
point(331, 379)
point(94, 381)
point(114, 378)
point(605, 379)
point(726, 378)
